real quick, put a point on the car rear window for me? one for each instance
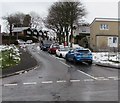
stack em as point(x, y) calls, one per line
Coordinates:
point(55, 46)
point(64, 49)
point(47, 44)
point(83, 51)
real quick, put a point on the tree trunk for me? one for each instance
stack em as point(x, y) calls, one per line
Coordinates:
point(71, 37)
point(10, 34)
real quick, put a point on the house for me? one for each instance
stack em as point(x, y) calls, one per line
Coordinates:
point(35, 33)
point(28, 32)
point(104, 34)
point(82, 35)
point(25, 31)
point(19, 31)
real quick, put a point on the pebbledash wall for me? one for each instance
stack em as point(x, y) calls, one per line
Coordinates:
point(104, 34)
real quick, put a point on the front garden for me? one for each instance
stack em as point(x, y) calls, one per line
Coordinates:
point(9, 56)
point(107, 57)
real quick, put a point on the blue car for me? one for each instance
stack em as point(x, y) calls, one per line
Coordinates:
point(79, 55)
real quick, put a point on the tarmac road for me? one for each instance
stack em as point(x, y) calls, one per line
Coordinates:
point(57, 80)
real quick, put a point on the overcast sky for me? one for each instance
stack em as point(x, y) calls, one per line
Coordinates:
point(95, 8)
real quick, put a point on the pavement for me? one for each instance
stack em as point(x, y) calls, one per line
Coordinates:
point(27, 63)
point(107, 65)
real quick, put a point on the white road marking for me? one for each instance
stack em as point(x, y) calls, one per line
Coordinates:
point(87, 74)
point(20, 72)
point(65, 64)
point(100, 77)
point(86, 80)
point(53, 56)
point(46, 82)
point(35, 68)
point(56, 57)
point(105, 79)
point(61, 81)
point(59, 58)
point(60, 61)
point(113, 77)
point(29, 83)
point(74, 80)
point(10, 84)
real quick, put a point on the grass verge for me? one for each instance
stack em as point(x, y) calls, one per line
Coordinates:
point(8, 58)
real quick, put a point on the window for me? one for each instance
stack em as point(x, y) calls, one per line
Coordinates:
point(114, 40)
point(83, 30)
point(104, 27)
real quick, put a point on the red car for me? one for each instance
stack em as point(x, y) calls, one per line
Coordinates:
point(53, 48)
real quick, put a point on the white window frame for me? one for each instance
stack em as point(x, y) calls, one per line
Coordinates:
point(111, 43)
point(104, 27)
point(116, 40)
point(28, 32)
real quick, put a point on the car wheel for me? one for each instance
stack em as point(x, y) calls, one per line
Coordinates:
point(60, 55)
point(74, 61)
point(90, 62)
point(56, 55)
point(49, 51)
point(66, 58)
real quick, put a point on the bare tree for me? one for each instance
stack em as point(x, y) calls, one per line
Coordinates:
point(36, 20)
point(15, 20)
point(27, 20)
point(63, 15)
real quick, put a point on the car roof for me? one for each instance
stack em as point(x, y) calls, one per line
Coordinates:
point(47, 43)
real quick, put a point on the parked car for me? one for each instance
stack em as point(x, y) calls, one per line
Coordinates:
point(20, 41)
point(29, 41)
point(45, 47)
point(53, 48)
point(79, 55)
point(62, 52)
